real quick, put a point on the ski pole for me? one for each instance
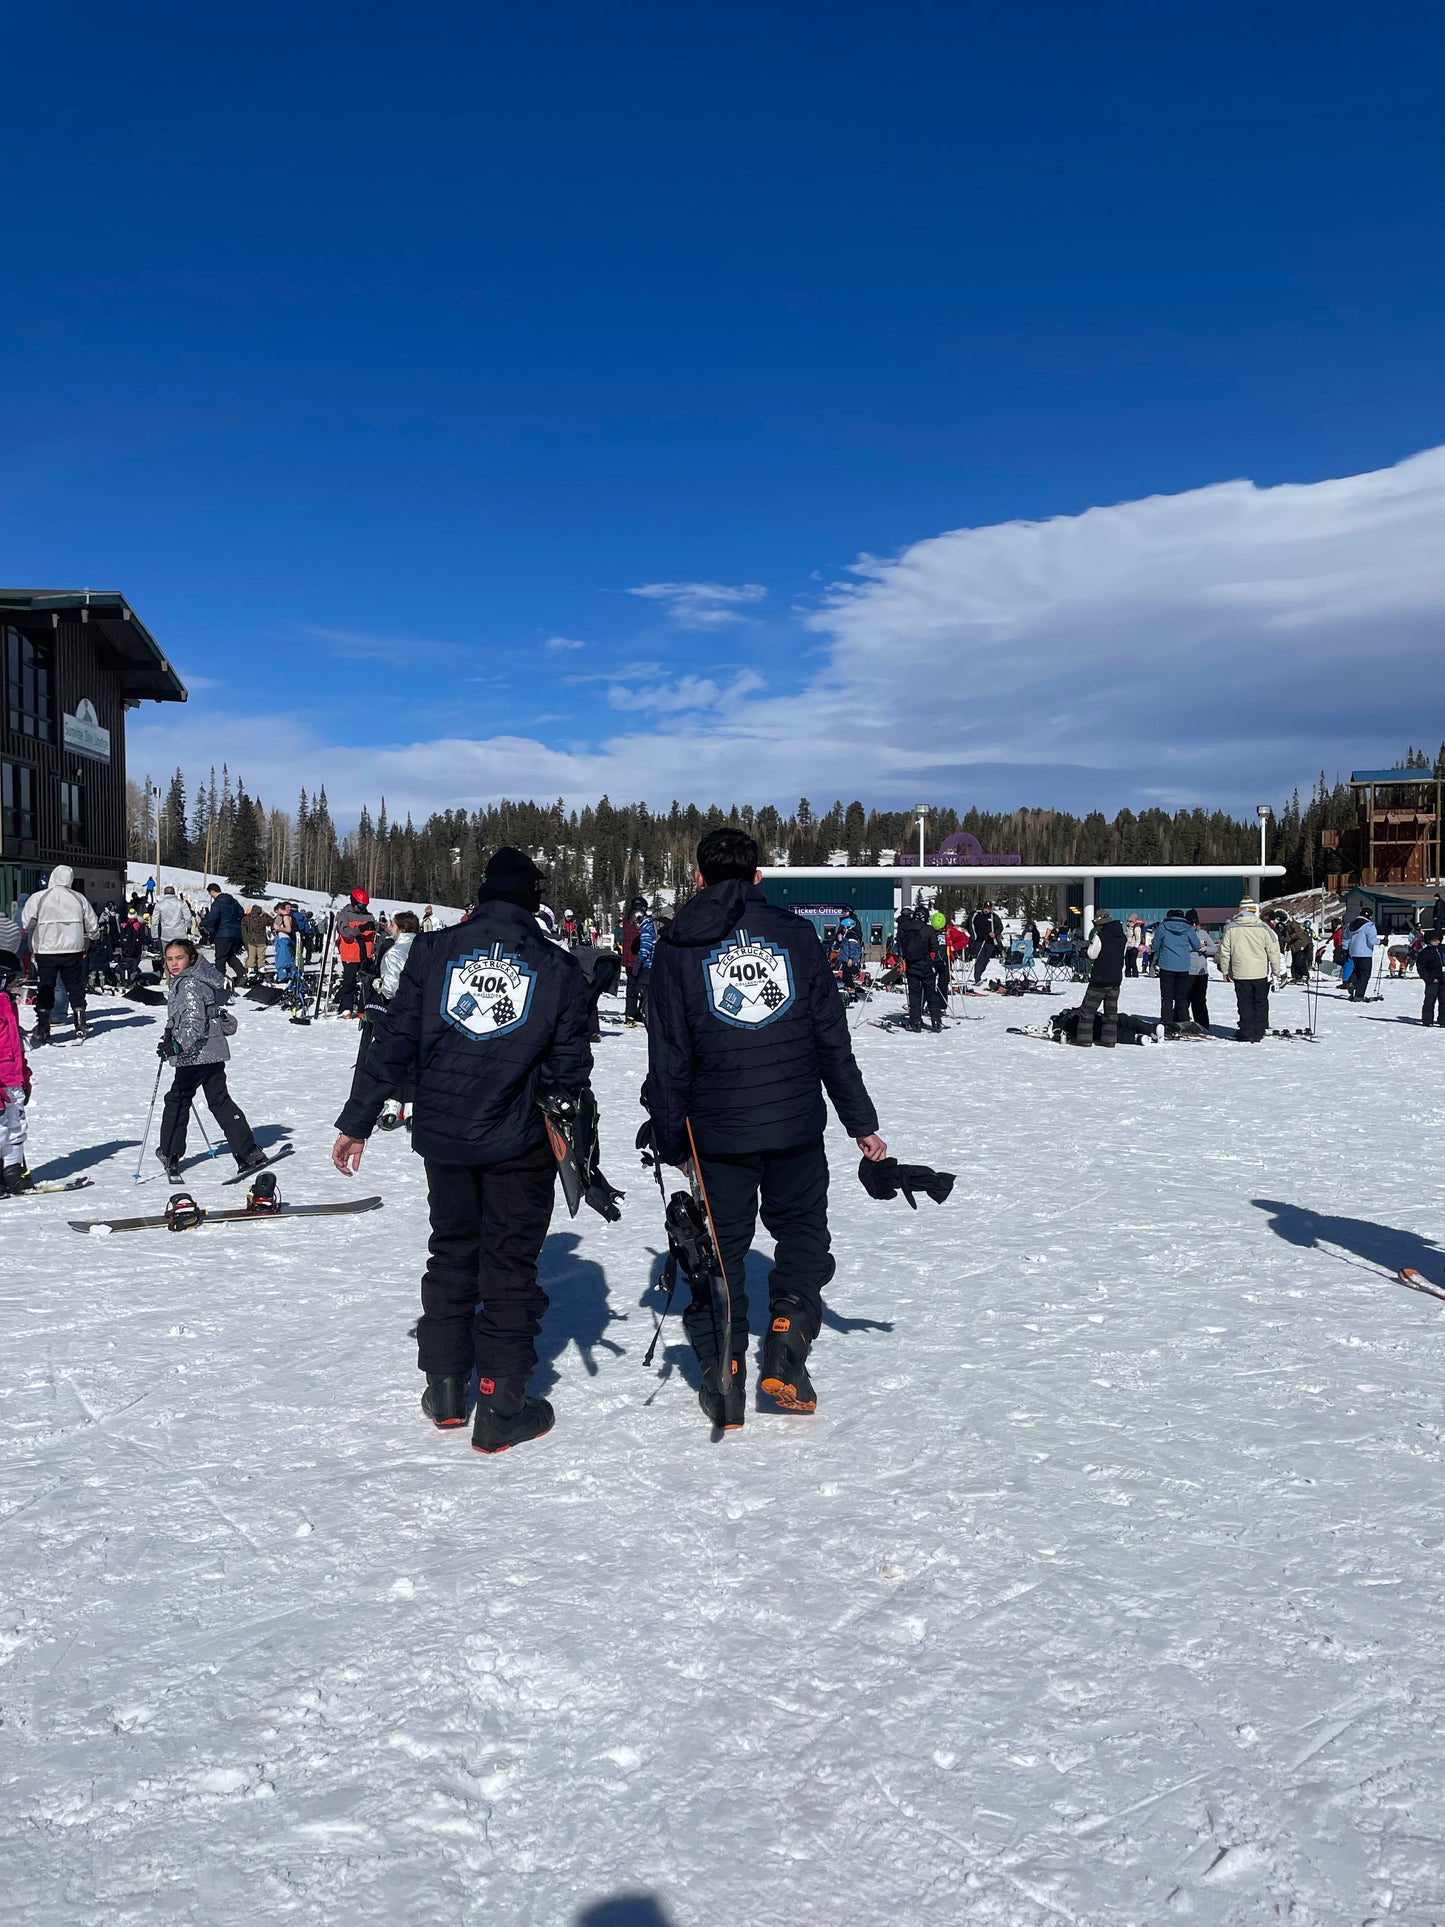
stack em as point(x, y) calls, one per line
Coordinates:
point(200, 1126)
point(325, 960)
point(145, 1136)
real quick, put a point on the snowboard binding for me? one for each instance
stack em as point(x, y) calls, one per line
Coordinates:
point(182, 1212)
point(263, 1199)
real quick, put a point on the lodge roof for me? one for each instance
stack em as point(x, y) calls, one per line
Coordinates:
point(1360, 777)
point(122, 640)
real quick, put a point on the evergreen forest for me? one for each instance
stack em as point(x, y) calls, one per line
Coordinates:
point(602, 856)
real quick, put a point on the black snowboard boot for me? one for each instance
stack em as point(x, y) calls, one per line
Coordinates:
point(726, 1409)
point(507, 1417)
point(784, 1375)
point(445, 1401)
point(17, 1181)
point(171, 1166)
point(254, 1160)
point(41, 1033)
point(82, 1028)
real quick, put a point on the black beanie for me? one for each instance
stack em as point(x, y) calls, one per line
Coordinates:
point(512, 877)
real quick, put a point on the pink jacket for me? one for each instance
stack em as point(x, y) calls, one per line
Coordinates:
point(12, 1052)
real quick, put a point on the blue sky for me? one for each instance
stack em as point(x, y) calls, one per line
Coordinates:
point(371, 352)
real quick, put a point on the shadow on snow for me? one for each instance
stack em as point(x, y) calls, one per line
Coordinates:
point(1377, 1244)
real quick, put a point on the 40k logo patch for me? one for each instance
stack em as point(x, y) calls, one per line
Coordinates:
point(488, 993)
point(749, 983)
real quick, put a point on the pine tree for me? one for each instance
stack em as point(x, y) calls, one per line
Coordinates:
point(175, 841)
point(247, 865)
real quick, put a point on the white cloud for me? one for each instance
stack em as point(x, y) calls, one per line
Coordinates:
point(687, 693)
point(558, 645)
point(703, 605)
point(1217, 646)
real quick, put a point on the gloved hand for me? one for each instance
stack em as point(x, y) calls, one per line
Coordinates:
point(168, 1049)
point(886, 1178)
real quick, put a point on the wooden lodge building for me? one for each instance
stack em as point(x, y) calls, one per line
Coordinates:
point(75, 662)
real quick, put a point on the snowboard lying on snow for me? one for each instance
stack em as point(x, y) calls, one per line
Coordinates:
point(198, 1215)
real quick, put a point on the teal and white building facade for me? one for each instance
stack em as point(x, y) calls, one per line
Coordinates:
point(877, 892)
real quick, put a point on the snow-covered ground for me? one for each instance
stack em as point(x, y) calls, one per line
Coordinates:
point(1105, 1586)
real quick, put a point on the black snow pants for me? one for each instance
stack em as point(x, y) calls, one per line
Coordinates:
point(792, 1188)
point(1199, 997)
point(923, 990)
point(71, 972)
point(228, 951)
point(1360, 979)
point(1173, 998)
point(480, 1300)
point(1434, 1007)
point(987, 951)
point(635, 1009)
point(1096, 997)
point(1251, 994)
point(207, 1081)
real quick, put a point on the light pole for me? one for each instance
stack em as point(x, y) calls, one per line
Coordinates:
point(922, 814)
point(1264, 813)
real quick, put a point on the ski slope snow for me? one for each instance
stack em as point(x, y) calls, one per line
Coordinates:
point(1103, 1588)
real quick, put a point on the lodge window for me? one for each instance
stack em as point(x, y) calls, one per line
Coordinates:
point(17, 808)
point(28, 705)
point(72, 816)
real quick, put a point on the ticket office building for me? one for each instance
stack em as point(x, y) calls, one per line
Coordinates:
point(74, 661)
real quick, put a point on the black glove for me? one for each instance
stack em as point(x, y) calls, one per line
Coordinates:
point(167, 1048)
point(885, 1178)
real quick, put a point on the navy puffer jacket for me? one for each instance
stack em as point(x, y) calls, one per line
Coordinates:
point(745, 1029)
point(484, 1014)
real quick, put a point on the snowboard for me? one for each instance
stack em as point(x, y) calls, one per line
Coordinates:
point(342, 1208)
point(275, 1158)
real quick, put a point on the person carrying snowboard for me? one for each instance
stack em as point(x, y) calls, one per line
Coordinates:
point(745, 1031)
point(195, 1042)
point(488, 1016)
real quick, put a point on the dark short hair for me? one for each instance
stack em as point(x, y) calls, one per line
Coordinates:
point(407, 920)
point(213, 889)
point(725, 854)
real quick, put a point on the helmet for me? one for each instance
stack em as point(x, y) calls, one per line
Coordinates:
point(638, 907)
point(938, 919)
point(360, 899)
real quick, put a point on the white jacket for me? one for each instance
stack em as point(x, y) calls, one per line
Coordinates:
point(171, 917)
point(58, 920)
point(393, 963)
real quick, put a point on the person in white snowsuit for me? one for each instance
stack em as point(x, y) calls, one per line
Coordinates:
point(59, 924)
point(170, 918)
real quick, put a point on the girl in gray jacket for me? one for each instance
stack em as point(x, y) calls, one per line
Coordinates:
point(195, 1042)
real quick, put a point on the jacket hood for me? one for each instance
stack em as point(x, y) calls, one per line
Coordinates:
point(62, 877)
point(711, 915)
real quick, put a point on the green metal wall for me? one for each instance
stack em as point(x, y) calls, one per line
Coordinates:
point(1143, 896)
point(871, 897)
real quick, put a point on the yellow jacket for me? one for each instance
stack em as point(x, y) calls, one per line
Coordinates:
point(1248, 949)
